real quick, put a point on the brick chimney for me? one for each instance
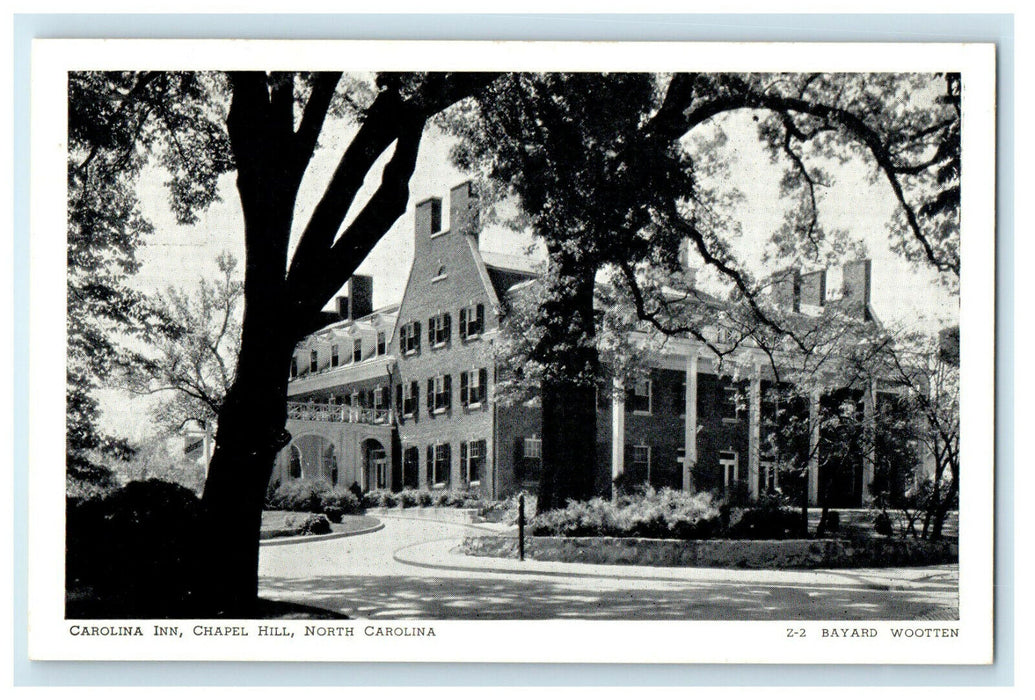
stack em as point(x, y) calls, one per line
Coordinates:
point(786, 289)
point(358, 301)
point(856, 292)
point(463, 209)
point(814, 288)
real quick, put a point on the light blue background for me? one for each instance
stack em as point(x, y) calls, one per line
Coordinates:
point(997, 29)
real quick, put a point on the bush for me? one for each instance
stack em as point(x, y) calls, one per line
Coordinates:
point(769, 519)
point(132, 552)
point(334, 514)
point(315, 525)
point(297, 495)
point(665, 514)
point(408, 498)
point(882, 525)
point(341, 500)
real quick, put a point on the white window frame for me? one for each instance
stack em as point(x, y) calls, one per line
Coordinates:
point(471, 457)
point(650, 397)
point(736, 404)
point(357, 344)
point(440, 274)
point(335, 357)
point(314, 361)
point(439, 327)
point(638, 450)
point(381, 343)
point(473, 389)
point(439, 382)
point(440, 448)
point(532, 448)
point(729, 466)
point(409, 339)
point(471, 312)
point(407, 394)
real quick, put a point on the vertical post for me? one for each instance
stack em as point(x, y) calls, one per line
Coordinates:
point(521, 527)
point(870, 441)
point(814, 447)
point(754, 430)
point(617, 434)
point(207, 445)
point(690, 421)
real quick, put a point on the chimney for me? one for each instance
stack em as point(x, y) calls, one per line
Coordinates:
point(359, 298)
point(689, 271)
point(786, 289)
point(856, 296)
point(814, 288)
point(463, 209)
point(427, 219)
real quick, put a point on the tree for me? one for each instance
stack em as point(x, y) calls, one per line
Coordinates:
point(606, 172)
point(269, 132)
point(194, 357)
point(114, 121)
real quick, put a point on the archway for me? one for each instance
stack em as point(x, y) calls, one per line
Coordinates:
point(375, 465)
point(317, 457)
point(295, 462)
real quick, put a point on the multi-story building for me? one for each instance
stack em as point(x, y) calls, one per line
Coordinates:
point(403, 396)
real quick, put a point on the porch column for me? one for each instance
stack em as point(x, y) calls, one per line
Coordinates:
point(754, 430)
point(814, 447)
point(617, 432)
point(870, 441)
point(690, 422)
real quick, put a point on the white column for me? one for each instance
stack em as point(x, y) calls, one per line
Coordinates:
point(754, 430)
point(814, 447)
point(207, 446)
point(870, 443)
point(690, 422)
point(617, 430)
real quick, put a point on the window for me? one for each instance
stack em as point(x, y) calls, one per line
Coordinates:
point(357, 350)
point(472, 388)
point(314, 363)
point(294, 366)
point(472, 321)
point(438, 465)
point(681, 456)
point(411, 468)
point(767, 474)
point(729, 403)
point(679, 398)
point(406, 398)
point(728, 462)
point(438, 330)
point(409, 338)
point(381, 343)
point(639, 398)
point(641, 457)
point(380, 398)
point(472, 460)
point(533, 448)
point(436, 216)
point(334, 356)
point(440, 392)
point(723, 335)
point(440, 274)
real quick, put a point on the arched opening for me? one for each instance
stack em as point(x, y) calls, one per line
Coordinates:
point(375, 465)
point(314, 458)
point(295, 463)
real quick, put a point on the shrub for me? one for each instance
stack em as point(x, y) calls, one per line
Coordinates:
point(334, 513)
point(769, 519)
point(297, 495)
point(387, 499)
point(132, 550)
point(316, 525)
point(882, 525)
point(408, 498)
point(424, 498)
point(664, 514)
point(340, 500)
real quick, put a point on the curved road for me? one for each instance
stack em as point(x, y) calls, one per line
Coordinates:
point(406, 571)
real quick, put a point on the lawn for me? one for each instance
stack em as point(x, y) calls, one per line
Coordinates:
point(274, 521)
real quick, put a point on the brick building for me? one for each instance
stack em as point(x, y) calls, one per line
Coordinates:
point(402, 396)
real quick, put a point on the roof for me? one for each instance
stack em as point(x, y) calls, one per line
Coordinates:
point(510, 263)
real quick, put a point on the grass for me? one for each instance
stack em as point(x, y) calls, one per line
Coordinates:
point(273, 523)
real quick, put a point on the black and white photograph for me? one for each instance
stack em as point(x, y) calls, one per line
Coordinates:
point(366, 346)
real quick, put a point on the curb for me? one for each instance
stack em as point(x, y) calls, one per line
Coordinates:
point(277, 541)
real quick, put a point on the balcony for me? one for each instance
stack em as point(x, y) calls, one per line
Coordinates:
point(329, 413)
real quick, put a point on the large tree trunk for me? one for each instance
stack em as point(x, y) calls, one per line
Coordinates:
point(569, 392)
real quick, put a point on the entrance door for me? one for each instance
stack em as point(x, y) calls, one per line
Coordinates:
point(376, 467)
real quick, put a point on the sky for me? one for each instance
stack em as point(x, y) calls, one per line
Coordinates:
point(176, 255)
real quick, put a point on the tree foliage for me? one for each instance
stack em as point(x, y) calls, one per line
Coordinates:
point(192, 360)
point(118, 123)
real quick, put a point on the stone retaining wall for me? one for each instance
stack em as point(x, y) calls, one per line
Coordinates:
point(736, 554)
point(442, 514)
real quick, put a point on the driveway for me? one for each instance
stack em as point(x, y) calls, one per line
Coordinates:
point(409, 570)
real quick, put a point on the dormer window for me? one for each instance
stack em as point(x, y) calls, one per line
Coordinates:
point(314, 361)
point(357, 350)
point(472, 321)
point(334, 356)
point(381, 343)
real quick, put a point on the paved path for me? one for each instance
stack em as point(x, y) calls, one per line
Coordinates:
point(409, 570)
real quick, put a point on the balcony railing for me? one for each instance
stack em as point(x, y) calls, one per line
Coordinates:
point(329, 413)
